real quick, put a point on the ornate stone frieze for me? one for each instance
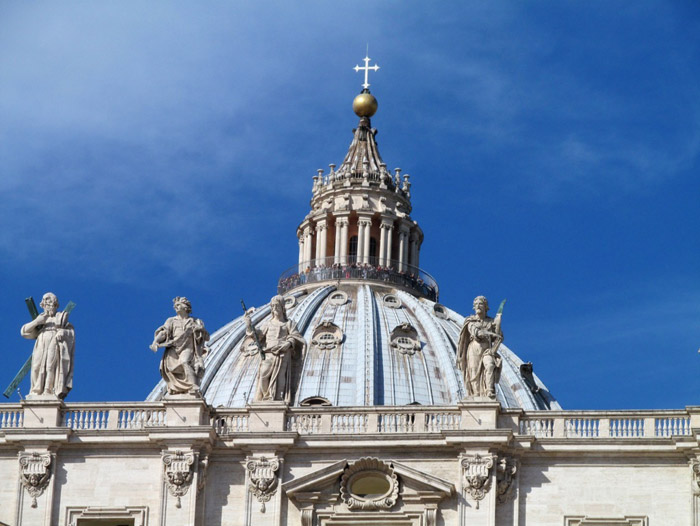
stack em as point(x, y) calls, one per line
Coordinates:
point(368, 485)
point(178, 473)
point(477, 476)
point(262, 473)
point(35, 473)
point(505, 476)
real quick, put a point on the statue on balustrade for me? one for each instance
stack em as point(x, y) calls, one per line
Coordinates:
point(477, 351)
point(184, 338)
point(52, 358)
point(279, 342)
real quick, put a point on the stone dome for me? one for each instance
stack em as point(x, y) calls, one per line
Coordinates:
point(367, 345)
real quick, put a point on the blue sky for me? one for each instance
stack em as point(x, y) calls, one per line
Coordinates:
point(152, 150)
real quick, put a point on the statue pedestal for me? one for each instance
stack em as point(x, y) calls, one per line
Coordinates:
point(479, 413)
point(267, 416)
point(185, 410)
point(42, 411)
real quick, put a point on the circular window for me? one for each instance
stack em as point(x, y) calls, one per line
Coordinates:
point(370, 486)
point(289, 302)
point(327, 337)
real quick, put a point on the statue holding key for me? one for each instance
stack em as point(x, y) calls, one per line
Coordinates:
point(52, 358)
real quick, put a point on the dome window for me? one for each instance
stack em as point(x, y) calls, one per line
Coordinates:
point(327, 336)
point(391, 301)
point(440, 311)
point(290, 302)
point(338, 298)
point(315, 401)
point(404, 339)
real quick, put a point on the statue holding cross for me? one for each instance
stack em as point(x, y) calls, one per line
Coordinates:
point(52, 358)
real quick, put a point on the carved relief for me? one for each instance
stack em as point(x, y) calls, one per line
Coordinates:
point(326, 336)
point(505, 476)
point(371, 475)
point(263, 478)
point(605, 521)
point(695, 471)
point(477, 476)
point(291, 301)
point(35, 473)
point(338, 298)
point(178, 473)
point(404, 339)
point(391, 301)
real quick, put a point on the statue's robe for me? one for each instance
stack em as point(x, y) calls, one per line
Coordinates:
point(184, 344)
point(477, 358)
point(275, 371)
point(52, 360)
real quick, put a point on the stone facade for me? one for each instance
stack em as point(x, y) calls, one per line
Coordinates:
point(470, 464)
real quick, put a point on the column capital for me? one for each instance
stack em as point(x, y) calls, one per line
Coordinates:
point(342, 220)
point(387, 222)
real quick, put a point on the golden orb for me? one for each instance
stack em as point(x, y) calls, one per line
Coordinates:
point(365, 105)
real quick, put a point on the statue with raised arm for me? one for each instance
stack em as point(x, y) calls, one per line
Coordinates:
point(477, 350)
point(52, 358)
point(184, 338)
point(280, 342)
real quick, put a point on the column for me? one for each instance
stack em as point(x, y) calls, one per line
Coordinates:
point(336, 254)
point(360, 241)
point(322, 239)
point(403, 247)
point(320, 229)
point(386, 226)
point(301, 249)
point(341, 226)
point(368, 229)
point(412, 249)
point(307, 246)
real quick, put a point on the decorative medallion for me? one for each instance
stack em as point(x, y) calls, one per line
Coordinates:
point(35, 473)
point(404, 339)
point(477, 476)
point(440, 311)
point(263, 480)
point(505, 476)
point(249, 347)
point(326, 336)
point(290, 302)
point(368, 485)
point(178, 473)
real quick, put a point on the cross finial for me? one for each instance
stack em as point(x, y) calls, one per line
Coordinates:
point(366, 69)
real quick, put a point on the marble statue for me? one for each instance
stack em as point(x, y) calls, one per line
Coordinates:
point(52, 358)
point(279, 341)
point(477, 351)
point(184, 338)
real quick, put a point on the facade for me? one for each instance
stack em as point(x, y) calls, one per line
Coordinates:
point(344, 401)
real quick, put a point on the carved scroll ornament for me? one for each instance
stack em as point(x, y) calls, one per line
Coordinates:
point(35, 473)
point(369, 467)
point(505, 476)
point(263, 478)
point(477, 476)
point(178, 473)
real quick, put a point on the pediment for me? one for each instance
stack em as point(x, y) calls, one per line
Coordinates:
point(323, 484)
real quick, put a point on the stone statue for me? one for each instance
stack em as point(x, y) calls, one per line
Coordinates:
point(477, 350)
point(52, 359)
point(184, 339)
point(279, 341)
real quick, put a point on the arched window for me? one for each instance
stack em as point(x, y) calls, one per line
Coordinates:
point(373, 251)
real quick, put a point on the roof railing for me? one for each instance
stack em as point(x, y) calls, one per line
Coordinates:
point(391, 273)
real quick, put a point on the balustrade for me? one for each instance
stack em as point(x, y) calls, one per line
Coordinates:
point(11, 417)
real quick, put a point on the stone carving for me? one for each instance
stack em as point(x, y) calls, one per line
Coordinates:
point(368, 467)
point(184, 338)
point(477, 350)
point(52, 358)
point(477, 476)
point(263, 478)
point(327, 336)
point(35, 473)
point(404, 339)
point(695, 472)
point(178, 473)
point(505, 476)
point(280, 341)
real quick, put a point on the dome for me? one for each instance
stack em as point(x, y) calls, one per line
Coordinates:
point(367, 345)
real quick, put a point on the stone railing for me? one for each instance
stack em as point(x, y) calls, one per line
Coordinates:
point(11, 416)
point(324, 269)
point(229, 421)
point(385, 420)
point(103, 416)
point(605, 424)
